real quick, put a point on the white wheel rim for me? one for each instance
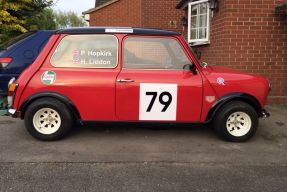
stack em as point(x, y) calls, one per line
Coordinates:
point(238, 124)
point(47, 121)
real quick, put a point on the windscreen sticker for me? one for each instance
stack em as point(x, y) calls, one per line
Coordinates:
point(119, 30)
point(76, 56)
point(158, 101)
point(48, 77)
point(92, 57)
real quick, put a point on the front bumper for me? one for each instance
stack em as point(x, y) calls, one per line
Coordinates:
point(265, 113)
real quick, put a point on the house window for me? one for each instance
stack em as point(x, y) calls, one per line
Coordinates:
point(198, 22)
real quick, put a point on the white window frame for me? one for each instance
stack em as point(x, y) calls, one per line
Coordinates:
point(198, 41)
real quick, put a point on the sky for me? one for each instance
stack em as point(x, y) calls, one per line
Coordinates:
point(77, 6)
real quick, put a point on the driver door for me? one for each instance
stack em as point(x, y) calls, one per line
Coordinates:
point(153, 86)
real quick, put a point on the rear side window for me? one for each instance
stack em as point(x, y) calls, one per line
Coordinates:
point(86, 51)
point(7, 44)
point(153, 53)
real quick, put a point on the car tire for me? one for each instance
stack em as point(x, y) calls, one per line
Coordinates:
point(236, 121)
point(48, 119)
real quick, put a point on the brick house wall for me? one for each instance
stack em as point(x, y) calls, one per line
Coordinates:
point(249, 35)
point(139, 13)
point(162, 14)
point(244, 34)
point(120, 13)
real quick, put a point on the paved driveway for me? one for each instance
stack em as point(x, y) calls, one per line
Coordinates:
point(132, 157)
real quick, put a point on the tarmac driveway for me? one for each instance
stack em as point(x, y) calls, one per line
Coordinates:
point(132, 157)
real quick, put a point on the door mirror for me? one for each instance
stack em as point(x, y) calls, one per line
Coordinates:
point(204, 64)
point(190, 67)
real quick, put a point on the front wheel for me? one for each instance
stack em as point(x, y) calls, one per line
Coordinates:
point(237, 121)
point(48, 119)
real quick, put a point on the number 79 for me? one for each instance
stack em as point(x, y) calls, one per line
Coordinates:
point(161, 100)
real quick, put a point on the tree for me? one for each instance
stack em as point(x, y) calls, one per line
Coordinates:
point(44, 20)
point(68, 19)
point(15, 15)
point(50, 19)
point(8, 19)
point(19, 16)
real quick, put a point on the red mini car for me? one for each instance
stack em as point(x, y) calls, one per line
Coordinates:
point(132, 75)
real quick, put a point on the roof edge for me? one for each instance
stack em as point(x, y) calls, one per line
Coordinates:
point(99, 7)
point(124, 30)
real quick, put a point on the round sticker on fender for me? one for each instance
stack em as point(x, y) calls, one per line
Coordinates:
point(158, 101)
point(48, 77)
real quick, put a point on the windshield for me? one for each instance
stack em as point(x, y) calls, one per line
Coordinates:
point(6, 44)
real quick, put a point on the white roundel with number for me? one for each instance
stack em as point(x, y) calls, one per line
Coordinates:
point(158, 101)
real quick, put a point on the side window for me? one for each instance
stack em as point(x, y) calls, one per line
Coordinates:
point(86, 51)
point(153, 53)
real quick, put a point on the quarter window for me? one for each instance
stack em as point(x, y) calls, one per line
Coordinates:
point(198, 22)
point(86, 51)
point(153, 53)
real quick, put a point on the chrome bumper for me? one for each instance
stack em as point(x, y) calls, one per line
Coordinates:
point(264, 113)
point(11, 111)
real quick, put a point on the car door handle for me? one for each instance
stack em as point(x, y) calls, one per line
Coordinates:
point(125, 81)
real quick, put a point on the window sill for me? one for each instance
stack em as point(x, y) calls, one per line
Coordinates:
point(192, 44)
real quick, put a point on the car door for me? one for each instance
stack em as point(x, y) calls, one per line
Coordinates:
point(153, 84)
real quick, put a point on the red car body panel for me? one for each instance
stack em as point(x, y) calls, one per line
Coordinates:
point(98, 96)
point(29, 72)
point(236, 81)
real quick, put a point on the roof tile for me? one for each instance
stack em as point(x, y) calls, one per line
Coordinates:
point(101, 2)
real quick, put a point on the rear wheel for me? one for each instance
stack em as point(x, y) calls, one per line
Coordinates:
point(48, 119)
point(237, 121)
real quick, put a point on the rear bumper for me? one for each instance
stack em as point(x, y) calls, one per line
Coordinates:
point(13, 113)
